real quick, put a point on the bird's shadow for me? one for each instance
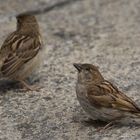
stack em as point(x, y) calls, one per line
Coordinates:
point(97, 124)
point(6, 85)
point(10, 85)
point(116, 124)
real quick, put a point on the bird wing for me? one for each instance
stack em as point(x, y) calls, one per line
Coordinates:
point(17, 50)
point(107, 95)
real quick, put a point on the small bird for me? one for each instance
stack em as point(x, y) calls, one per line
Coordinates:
point(21, 51)
point(101, 99)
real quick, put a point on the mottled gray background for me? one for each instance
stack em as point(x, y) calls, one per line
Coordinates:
point(101, 32)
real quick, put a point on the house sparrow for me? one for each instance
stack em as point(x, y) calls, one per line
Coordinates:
point(101, 99)
point(21, 51)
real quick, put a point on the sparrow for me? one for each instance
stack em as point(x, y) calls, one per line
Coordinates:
point(21, 51)
point(100, 99)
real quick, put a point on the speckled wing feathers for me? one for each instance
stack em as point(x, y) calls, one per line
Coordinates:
point(20, 49)
point(107, 95)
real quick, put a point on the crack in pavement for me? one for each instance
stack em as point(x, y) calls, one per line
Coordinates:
point(41, 10)
point(51, 7)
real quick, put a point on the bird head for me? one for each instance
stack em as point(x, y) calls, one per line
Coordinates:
point(88, 73)
point(27, 22)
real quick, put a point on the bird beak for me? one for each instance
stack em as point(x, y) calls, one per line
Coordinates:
point(78, 66)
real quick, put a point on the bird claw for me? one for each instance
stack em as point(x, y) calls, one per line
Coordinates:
point(27, 87)
point(106, 127)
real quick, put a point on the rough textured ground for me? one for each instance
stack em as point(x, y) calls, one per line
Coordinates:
point(102, 32)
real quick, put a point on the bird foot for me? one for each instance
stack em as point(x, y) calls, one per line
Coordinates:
point(106, 127)
point(27, 87)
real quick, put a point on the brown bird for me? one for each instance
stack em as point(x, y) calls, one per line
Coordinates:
point(101, 99)
point(21, 51)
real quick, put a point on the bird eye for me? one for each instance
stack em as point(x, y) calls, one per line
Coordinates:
point(88, 69)
point(18, 21)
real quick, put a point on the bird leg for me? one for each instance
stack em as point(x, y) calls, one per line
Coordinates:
point(26, 86)
point(109, 125)
point(106, 127)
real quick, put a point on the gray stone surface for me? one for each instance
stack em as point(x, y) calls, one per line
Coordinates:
point(101, 32)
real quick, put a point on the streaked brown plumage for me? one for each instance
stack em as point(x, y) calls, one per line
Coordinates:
point(101, 99)
point(20, 52)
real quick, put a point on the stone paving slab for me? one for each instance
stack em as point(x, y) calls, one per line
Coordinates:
point(101, 32)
